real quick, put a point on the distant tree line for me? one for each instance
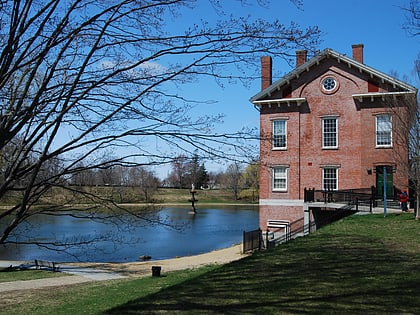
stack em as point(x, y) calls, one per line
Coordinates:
point(242, 180)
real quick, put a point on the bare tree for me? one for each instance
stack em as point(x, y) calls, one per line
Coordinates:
point(250, 180)
point(79, 79)
point(145, 180)
point(412, 129)
point(232, 179)
point(412, 25)
point(178, 174)
point(414, 155)
point(405, 112)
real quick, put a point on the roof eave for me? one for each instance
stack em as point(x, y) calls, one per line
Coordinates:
point(383, 95)
point(288, 101)
point(340, 58)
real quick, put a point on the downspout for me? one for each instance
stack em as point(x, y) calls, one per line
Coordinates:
point(299, 159)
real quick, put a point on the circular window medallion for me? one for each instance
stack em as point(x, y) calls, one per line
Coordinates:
point(329, 85)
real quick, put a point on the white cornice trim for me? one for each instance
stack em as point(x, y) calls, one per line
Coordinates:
point(280, 101)
point(382, 95)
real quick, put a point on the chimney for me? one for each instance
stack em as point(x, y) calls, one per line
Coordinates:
point(358, 52)
point(266, 72)
point(300, 57)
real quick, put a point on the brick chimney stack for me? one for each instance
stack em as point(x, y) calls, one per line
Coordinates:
point(301, 56)
point(266, 72)
point(358, 52)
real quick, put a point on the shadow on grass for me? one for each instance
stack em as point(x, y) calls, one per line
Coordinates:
point(324, 273)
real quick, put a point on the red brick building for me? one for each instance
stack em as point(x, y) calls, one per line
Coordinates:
point(331, 123)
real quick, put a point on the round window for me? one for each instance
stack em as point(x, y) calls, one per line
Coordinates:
point(329, 84)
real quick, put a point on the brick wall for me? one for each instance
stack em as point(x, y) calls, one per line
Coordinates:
point(356, 152)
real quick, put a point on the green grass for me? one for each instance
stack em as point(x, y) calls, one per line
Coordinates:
point(133, 195)
point(91, 298)
point(7, 274)
point(359, 265)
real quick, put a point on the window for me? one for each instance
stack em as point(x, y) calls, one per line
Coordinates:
point(329, 84)
point(330, 178)
point(383, 131)
point(279, 134)
point(280, 178)
point(329, 133)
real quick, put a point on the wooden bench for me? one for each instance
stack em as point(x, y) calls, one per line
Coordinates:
point(46, 264)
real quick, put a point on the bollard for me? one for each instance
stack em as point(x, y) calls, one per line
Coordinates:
point(156, 271)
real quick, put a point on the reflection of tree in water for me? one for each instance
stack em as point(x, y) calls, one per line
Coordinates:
point(166, 233)
point(91, 86)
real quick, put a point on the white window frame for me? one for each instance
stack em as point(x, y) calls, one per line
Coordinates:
point(282, 177)
point(284, 121)
point(324, 132)
point(329, 84)
point(385, 133)
point(324, 170)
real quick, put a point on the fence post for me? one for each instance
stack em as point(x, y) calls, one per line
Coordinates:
point(266, 239)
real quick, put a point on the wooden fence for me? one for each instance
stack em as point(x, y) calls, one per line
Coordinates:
point(252, 240)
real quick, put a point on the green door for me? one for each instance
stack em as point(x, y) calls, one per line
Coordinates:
point(380, 181)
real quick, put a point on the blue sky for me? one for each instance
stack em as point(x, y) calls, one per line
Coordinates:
point(378, 24)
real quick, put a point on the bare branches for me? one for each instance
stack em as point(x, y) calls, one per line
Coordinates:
point(81, 79)
point(413, 18)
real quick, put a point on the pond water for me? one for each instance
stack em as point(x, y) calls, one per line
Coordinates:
point(184, 234)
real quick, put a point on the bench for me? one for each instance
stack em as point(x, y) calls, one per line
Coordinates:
point(46, 264)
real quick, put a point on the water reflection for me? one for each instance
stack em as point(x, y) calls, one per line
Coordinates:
point(209, 229)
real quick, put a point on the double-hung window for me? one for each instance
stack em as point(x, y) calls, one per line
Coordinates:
point(280, 178)
point(279, 134)
point(329, 133)
point(330, 178)
point(383, 130)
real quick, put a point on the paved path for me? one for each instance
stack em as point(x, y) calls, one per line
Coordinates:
point(79, 275)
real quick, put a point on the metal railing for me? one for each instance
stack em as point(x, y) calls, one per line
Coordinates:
point(355, 198)
point(299, 228)
point(252, 240)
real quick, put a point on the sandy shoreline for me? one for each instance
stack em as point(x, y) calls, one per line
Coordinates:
point(86, 272)
point(136, 269)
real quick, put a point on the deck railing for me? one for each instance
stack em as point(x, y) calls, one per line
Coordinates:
point(365, 197)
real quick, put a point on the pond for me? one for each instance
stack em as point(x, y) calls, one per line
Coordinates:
point(185, 234)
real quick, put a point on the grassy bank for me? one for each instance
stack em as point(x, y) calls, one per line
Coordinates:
point(360, 265)
point(131, 195)
point(12, 274)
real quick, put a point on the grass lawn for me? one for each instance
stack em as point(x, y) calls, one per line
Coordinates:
point(360, 265)
point(7, 274)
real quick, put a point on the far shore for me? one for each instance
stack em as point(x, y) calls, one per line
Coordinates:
point(165, 204)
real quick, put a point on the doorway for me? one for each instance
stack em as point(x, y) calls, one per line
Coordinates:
point(380, 180)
